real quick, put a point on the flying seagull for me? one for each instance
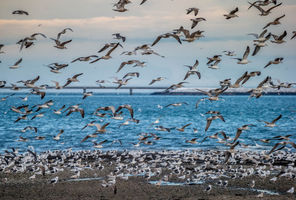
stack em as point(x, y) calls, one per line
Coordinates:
point(231, 14)
point(244, 60)
point(166, 35)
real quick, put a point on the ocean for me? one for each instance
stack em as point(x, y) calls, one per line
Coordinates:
point(236, 110)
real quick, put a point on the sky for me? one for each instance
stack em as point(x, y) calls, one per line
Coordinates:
point(93, 23)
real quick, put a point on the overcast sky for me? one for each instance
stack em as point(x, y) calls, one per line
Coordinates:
point(94, 22)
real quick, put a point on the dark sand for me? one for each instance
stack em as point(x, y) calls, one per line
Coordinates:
point(17, 185)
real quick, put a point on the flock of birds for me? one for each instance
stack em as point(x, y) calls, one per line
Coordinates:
point(180, 34)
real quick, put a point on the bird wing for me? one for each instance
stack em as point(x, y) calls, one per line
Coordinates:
point(234, 11)
point(121, 66)
point(85, 138)
point(283, 35)
point(194, 23)
point(274, 147)
point(143, 1)
point(273, 7)
point(157, 40)
point(19, 61)
point(276, 119)
point(207, 93)
point(246, 52)
point(221, 117)
point(66, 42)
point(209, 121)
point(187, 75)
point(263, 33)
point(111, 50)
point(176, 37)
point(241, 78)
point(246, 79)
point(186, 126)
point(67, 83)
point(105, 125)
point(238, 133)
point(256, 50)
point(269, 63)
point(76, 75)
point(277, 19)
point(104, 48)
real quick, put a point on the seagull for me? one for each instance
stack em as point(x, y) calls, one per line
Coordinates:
point(239, 132)
point(63, 32)
point(175, 86)
point(75, 109)
point(291, 190)
point(257, 92)
point(214, 65)
point(156, 79)
point(196, 21)
point(106, 108)
point(213, 59)
point(128, 107)
point(106, 46)
point(54, 180)
point(265, 12)
point(183, 127)
point(130, 62)
point(119, 37)
point(272, 124)
point(176, 104)
point(86, 58)
point(193, 67)
point(208, 189)
point(213, 95)
point(210, 119)
point(192, 72)
point(260, 37)
point(99, 145)
point(87, 94)
point(237, 83)
point(244, 60)
point(192, 141)
point(229, 53)
point(279, 39)
point(38, 115)
point(59, 111)
point(95, 134)
point(61, 45)
point(20, 12)
point(137, 74)
point(274, 22)
point(284, 143)
point(121, 82)
point(194, 10)
point(275, 61)
point(29, 128)
point(16, 65)
point(260, 43)
point(73, 79)
point(58, 136)
point(231, 14)
point(251, 74)
point(107, 56)
point(166, 35)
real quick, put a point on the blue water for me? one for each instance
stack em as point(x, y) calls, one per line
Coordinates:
point(237, 111)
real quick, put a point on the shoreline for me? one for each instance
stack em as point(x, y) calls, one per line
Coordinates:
point(147, 175)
